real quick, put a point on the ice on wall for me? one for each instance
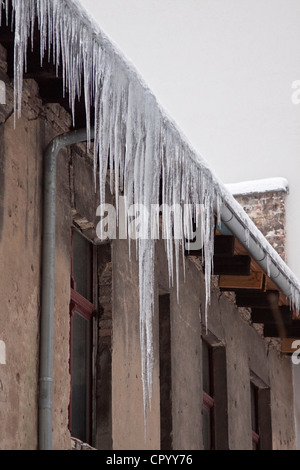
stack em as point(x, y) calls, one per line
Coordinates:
point(132, 135)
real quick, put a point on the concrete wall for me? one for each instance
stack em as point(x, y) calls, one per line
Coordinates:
point(20, 254)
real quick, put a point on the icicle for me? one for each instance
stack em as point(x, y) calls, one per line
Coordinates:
point(218, 208)
point(130, 135)
point(247, 235)
point(20, 45)
point(268, 264)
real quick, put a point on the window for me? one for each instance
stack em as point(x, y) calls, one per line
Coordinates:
point(82, 266)
point(214, 408)
point(208, 399)
point(81, 311)
point(166, 424)
point(260, 414)
point(254, 417)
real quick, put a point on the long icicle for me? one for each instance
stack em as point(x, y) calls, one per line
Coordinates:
point(142, 146)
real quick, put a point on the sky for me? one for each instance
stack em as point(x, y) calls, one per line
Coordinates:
point(224, 71)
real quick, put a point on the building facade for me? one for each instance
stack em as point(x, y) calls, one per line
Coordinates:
point(219, 382)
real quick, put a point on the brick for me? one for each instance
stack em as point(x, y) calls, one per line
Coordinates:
point(267, 210)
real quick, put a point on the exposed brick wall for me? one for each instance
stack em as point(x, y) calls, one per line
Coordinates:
point(267, 210)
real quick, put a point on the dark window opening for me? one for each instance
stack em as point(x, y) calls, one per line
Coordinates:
point(208, 397)
point(166, 424)
point(81, 310)
point(254, 417)
point(215, 406)
point(82, 266)
point(260, 403)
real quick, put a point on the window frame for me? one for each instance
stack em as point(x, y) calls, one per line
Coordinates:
point(91, 262)
point(208, 396)
point(262, 435)
point(86, 309)
point(254, 417)
point(217, 401)
point(165, 372)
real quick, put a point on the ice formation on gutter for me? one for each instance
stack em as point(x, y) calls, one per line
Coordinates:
point(135, 137)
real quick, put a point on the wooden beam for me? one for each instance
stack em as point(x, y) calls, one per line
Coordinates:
point(239, 249)
point(267, 299)
point(224, 245)
point(50, 85)
point(255, 281)
point(290, 331)
point(232, 265)
point(268, 316)
point(288, 345)
point(269, 284)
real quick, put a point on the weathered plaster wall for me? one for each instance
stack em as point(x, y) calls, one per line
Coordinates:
point(61, 388)
point(19, 279)
point(186, 329)
point(20, 251)
point(20, 256)
point(246, 352)
point(104, 353)
point(127, 395)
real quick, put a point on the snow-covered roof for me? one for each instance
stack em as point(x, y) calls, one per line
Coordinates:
point(259, 186)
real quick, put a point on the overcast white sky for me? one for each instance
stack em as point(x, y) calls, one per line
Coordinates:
point(223, 69)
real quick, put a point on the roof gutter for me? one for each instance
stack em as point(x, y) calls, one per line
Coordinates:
point(261, 251)
point(48, 281)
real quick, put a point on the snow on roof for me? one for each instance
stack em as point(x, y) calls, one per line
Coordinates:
point(259, 186)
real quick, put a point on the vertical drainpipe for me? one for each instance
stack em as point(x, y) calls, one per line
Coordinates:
point(48, 282)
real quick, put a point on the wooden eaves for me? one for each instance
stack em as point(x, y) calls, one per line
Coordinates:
point(255, 290)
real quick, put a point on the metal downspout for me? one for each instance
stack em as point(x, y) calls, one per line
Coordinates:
point(48, 281)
